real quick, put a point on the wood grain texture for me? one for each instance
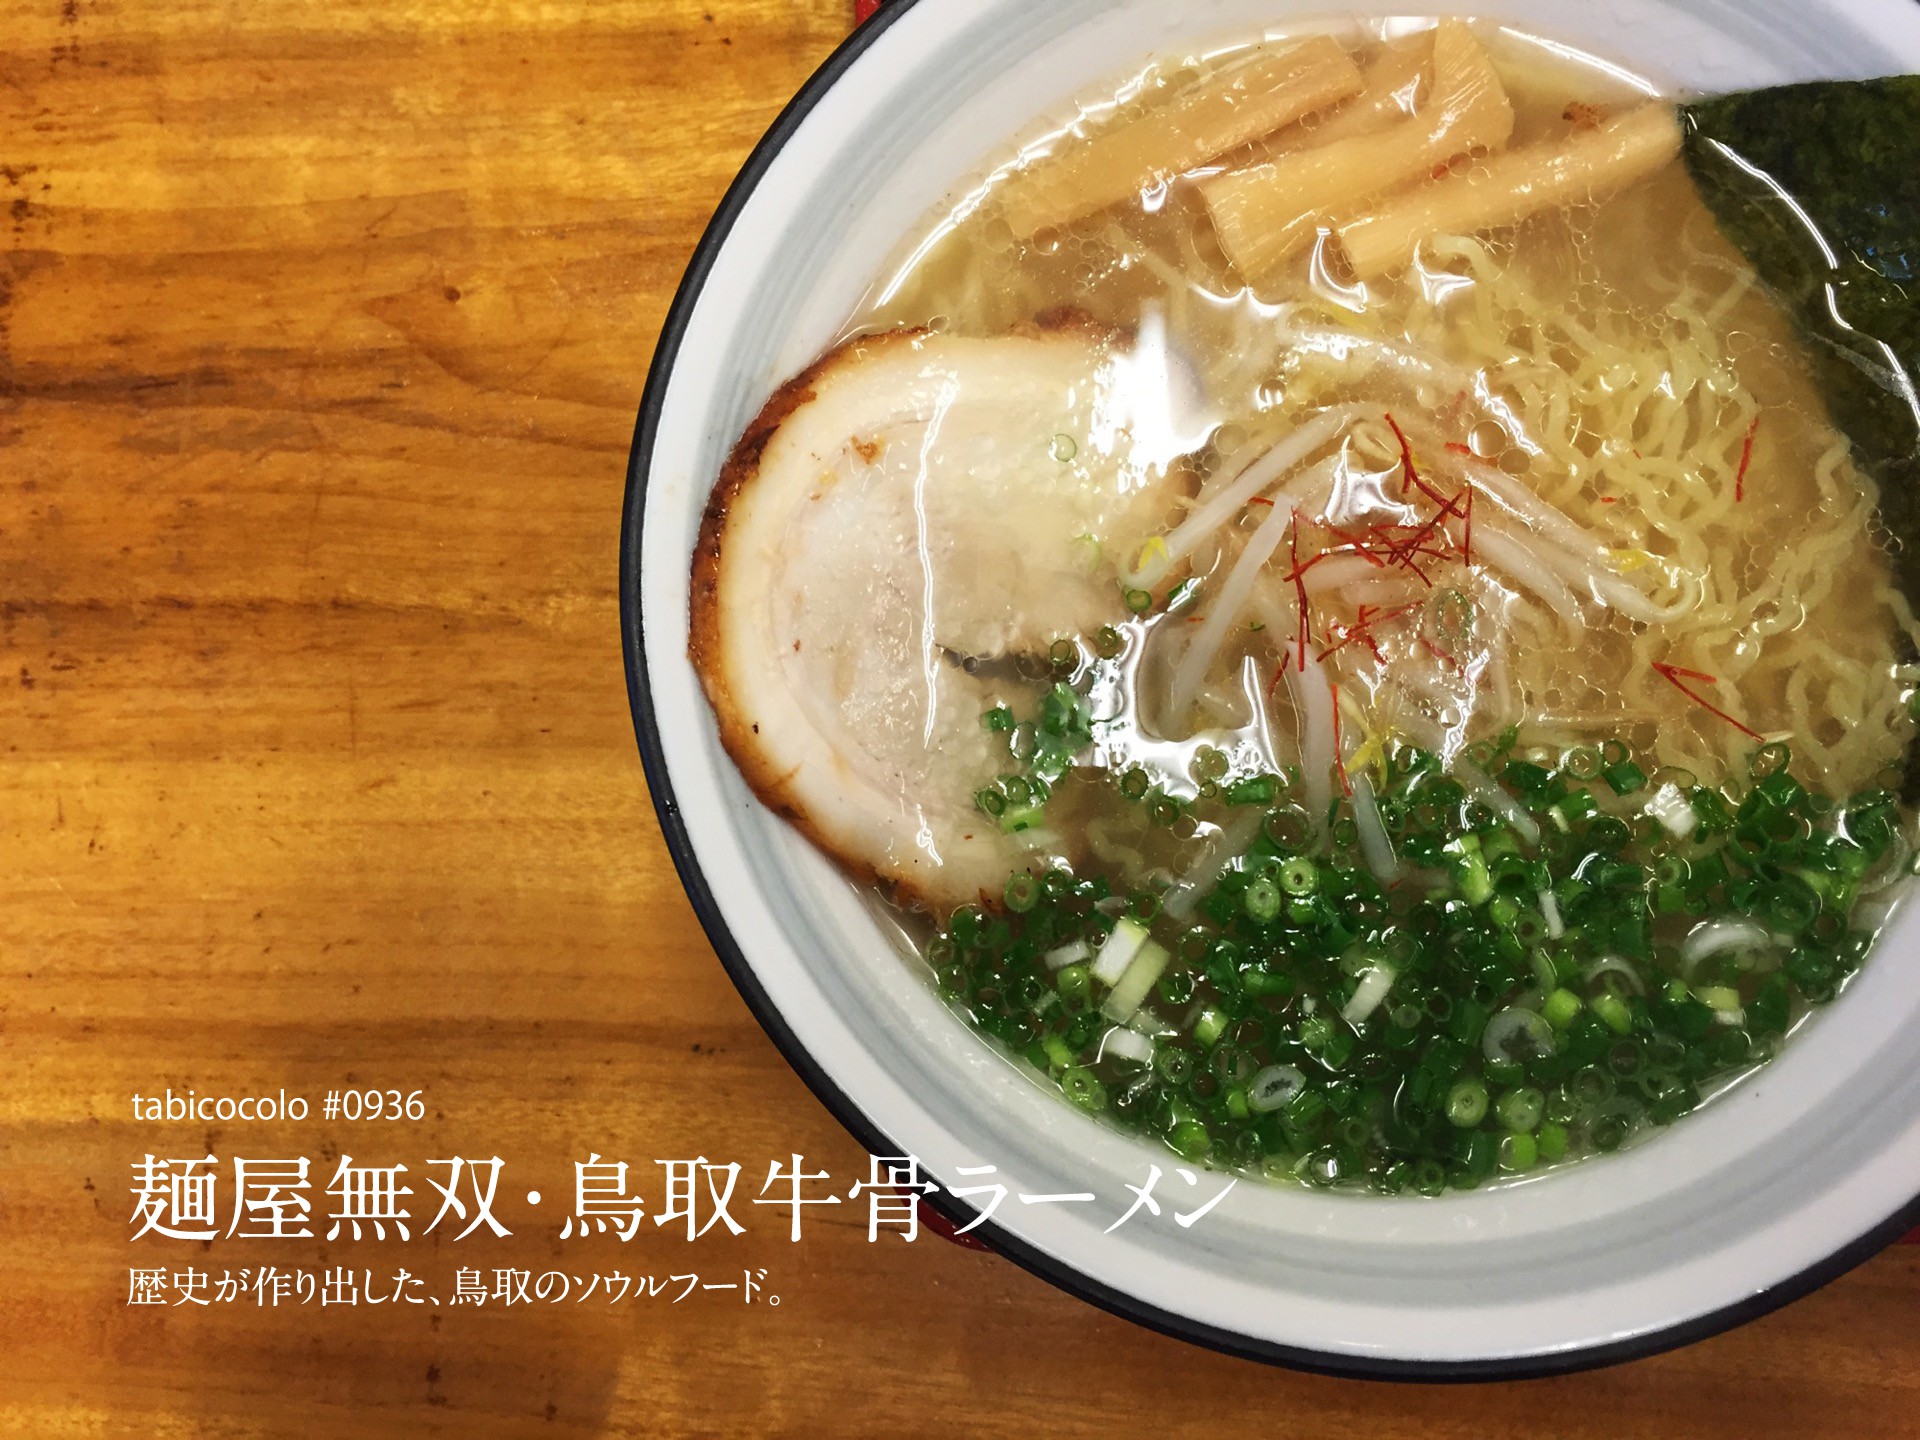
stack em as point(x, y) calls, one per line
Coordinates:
point(321, 333)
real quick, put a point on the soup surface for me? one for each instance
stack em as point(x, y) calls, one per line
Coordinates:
point(1324, 591)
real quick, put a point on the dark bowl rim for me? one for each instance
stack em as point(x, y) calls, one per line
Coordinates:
point(842, 1106)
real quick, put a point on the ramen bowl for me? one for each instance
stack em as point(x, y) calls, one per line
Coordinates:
point(1784, 1181)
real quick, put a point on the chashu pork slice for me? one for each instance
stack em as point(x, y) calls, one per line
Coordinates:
point(911, 502)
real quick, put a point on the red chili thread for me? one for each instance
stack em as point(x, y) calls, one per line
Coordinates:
point(1412, 475)
point(1403, 551)
point(1447, 507)
point(1300, 587)
point(1413, 546)
point(1746, 459)
point(1358, 545)
point(1303, 567)
point(1363, 627)
point(1677, 677)
point(1348, 634)
point(1440, 654)
point(1407, 473)
point(1339, 755)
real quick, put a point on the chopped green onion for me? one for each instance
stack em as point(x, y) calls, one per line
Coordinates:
point(1254, 790)
point(1522, 1109)
point(1023, 741)
point(1718, 997)
point(1174, 1066)
point(1083, 1088)
point(1552, 1141)
point(1189, 1140)
point(1017, 818)
point(1288, 828)
point(1625, 778)
point(1311, 1019)
point(1132, 987)
point(1584, 763)
point(1519, 1151)
point(1560, 1008)
point(1613, 1010)
point(1210, 1026)
point(1118, 951)
point(1471, 876)
point(1262, 900)
point(1299, 876)
point(1467, 1104)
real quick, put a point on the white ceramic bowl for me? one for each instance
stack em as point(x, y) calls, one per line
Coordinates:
point(1789, 1179)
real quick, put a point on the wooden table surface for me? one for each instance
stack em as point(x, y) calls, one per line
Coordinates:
point(322, 328)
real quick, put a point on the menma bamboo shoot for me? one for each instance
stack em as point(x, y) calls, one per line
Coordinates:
point(1267, 212)
point(1235, 108)
point(1398, 83)
point(1508, 188)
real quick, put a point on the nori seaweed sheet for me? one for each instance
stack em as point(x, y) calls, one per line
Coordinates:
point(1819, 186)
